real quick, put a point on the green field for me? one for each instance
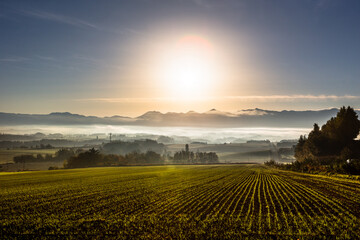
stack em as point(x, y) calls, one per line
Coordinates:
point(183, 202)
point(6, 156)
point(253, 157)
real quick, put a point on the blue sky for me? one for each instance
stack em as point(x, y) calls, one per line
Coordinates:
point(95, 58)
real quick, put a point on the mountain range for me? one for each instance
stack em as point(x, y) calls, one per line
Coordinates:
point(212, 118)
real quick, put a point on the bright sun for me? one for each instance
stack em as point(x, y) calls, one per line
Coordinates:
point(187, 69)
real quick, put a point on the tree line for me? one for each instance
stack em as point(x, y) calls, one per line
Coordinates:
point(332, 148)
point(100, 157)
point(94, 158)
point(60, 156)
point(123, 148)
point(189, 157)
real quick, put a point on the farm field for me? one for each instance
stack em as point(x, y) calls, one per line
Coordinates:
point(183, 202)
point(248, 157)
point(257, 152)
point(6, 156)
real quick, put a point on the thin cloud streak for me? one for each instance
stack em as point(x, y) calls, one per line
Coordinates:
point(296, 97)
point(76, 22)
point(245, 98)
point(46, 58)
point(97, 61)
point(216, 3)
point(14, 59)
point(122, 100)
point(60, 19)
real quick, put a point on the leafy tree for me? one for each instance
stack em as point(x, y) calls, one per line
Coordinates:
point(112, 159)
point(40, 157)
point(119, 147)
point(90, 158)
point(63, 154)
point(344, 127)
point(331, 145)
point(300, 148)
point(153, 157)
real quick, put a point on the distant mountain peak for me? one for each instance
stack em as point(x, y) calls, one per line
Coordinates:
point(63, 114)
point(254, 112)
point(150, 114)
point(153, 112)
point(213, 118)
point(117, 116)
point(191, 112)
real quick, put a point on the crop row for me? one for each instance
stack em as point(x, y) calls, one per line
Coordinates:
point(242, 200)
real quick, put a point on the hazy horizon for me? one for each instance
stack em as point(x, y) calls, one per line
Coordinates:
point(211, 135)
point(165, 109)
point(235, 111)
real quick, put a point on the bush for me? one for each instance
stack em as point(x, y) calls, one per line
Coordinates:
point(24, 159)
point(53, 168)
point(352, 166)
point(90, 158)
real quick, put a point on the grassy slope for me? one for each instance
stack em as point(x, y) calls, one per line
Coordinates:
point(178, 201)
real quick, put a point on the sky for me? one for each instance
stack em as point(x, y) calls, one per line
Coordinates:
point(109, 58)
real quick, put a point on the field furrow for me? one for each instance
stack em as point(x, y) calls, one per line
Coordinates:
point(220, 202)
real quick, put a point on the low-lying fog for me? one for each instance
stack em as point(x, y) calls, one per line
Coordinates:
point(210, 135)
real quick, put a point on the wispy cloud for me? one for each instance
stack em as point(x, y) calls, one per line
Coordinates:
point(14, 59)
point(76, 22)
point(60, 19)
point(123, 100)
point(46, 58)
point(258, 98)
point(217, 3)
point(295, 97)
point(96, 61)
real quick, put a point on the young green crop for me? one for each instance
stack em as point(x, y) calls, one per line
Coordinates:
point(210, 201)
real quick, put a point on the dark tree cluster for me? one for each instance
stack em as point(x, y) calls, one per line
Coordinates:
point(60, 156)
point(28, 158)
point(149, 157)
point(42, 144)
point(332, 148)
point(335, 138)
point(94, 158)
point(122, 148)
point(189, 157)
point(90, 158)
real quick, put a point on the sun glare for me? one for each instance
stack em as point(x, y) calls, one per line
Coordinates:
point(187, 70)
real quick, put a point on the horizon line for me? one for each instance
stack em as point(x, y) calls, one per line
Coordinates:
point(189, 111)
